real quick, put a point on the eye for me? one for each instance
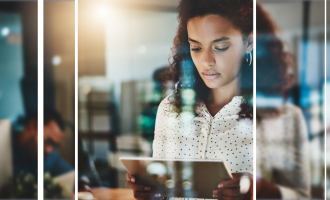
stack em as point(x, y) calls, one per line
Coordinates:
point(196, 49)
point(192, 48)
point(220, 49)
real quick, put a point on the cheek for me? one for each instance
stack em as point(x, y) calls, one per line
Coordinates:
point(230, 61)
point(197, 61)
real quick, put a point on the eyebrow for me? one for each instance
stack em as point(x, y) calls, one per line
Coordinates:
point(216, 40)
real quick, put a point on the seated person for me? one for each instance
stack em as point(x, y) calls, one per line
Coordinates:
point(25, 146)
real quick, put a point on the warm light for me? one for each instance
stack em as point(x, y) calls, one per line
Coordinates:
point(102, 12)
point(186, 185)
point(5, 31)
point(142, 49)
point(169, 183)
point(56, 60)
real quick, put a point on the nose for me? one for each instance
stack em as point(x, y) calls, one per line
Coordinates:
point(208, 58)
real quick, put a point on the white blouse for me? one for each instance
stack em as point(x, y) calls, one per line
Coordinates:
point(282, 153)
point(204, 136)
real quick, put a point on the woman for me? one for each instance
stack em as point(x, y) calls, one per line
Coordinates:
point(282, 140)
point(209, 115)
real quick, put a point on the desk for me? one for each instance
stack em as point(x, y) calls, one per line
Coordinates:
point(113, 194)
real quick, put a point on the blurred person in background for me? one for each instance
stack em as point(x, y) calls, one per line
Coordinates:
point(25, 146)
point(282, 138)
point(212, 66)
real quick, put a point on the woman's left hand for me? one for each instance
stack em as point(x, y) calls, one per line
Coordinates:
point(235, 189)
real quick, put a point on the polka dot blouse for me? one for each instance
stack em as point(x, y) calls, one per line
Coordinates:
point(205, 136)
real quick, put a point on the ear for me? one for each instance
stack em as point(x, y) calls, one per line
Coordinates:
point(249, 43)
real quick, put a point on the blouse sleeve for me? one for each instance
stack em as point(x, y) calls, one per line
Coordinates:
point(158, 145)
point(302, 169)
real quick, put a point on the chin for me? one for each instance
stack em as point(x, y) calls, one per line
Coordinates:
point(212, 84)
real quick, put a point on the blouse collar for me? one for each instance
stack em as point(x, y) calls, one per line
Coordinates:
point(232, 103)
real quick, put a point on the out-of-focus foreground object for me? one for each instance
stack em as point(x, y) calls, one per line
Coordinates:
point(6, 166)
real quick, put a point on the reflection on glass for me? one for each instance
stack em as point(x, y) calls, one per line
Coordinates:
point(146, 89)
point(290, 78)
point(327, 111)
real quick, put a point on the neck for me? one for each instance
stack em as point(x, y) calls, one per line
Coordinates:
point(223, 95)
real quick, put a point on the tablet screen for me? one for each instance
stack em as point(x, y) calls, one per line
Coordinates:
point(189, 178)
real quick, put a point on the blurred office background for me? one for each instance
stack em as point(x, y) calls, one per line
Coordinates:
point(59, 68)
point(18, 83)
point(18, 79)
point(124, 47)
point(302, 29)
point(59, 88)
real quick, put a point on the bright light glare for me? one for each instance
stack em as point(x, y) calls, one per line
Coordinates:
point(169, 183)
point(102, 12)
point(244, 184)
point(156, 168)
point(5, 31)
point(56, 60)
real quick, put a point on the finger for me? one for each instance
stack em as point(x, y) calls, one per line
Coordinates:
point(231, 183)
point(236, 175)
point(129, 177)
point(234, 191)
point(220, 194)
point(146, 195)
point(137, 187)
point(217, 193)
point(239, 175)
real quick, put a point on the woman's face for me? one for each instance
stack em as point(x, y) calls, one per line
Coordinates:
point(216, 49)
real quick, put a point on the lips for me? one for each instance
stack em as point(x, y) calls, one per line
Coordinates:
point(211, 75)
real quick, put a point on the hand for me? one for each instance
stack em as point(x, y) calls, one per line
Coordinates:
point(141, 192)
point(83, 184)
point(267, 190)
point(232, 190)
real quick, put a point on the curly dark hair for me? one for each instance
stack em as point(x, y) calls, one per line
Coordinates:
point(272, 60)
point(182, 68)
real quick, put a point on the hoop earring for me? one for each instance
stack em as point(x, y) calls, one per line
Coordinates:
point(248, 58)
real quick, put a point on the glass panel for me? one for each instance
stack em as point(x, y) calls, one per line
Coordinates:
point(290, 82)
point(18, 100)
point(59, 99)
point(143, 92)
point(328, 101)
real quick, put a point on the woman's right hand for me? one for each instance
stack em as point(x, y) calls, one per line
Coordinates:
point(141, 192)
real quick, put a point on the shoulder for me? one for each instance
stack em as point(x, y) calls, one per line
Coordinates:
point(166, 104)
point(167, 101)
point(293, 110)
point(167, 108)
point(298, 120)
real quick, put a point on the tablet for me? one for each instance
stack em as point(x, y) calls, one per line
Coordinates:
point(187, 178)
